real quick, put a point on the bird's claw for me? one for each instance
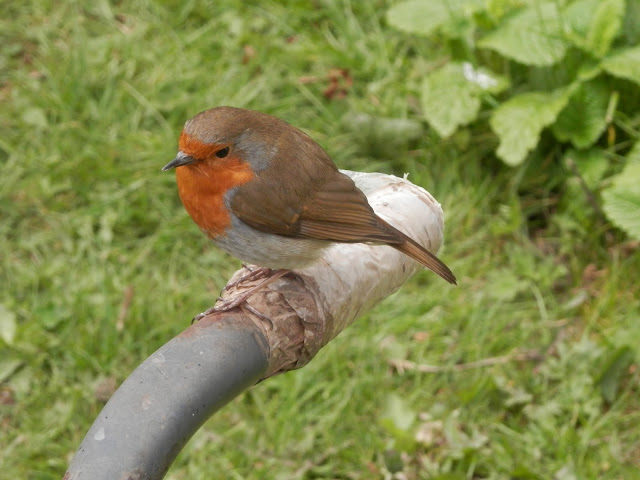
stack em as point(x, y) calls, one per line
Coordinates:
point(255, 273)
point(200, 316)
point(220, 306)
point(224, 306)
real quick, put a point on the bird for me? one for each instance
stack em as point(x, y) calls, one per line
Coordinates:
point(268, 194)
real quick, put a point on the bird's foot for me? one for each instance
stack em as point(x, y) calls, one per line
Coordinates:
point(225, 305)
point(254, 274)
point(221, 306)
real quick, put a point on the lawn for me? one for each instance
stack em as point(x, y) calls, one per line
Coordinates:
point(527, 370)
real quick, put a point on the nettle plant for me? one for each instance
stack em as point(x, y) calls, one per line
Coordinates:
point(571, 68)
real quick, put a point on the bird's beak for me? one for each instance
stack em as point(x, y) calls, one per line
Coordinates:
point(181, 159)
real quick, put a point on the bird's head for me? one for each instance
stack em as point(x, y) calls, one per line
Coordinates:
point(227, 133)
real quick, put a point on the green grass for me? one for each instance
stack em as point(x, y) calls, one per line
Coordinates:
point(93, 99)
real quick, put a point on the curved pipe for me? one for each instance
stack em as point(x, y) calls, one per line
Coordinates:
point(165, 400)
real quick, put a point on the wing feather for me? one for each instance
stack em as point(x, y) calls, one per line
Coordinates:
point(340, 212)
point(307, 196)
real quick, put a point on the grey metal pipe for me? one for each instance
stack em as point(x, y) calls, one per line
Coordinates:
point(167, 398)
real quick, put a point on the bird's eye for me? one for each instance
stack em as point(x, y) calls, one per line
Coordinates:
point(222, 153)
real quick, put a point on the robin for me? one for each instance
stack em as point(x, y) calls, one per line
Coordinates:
point(268, 194)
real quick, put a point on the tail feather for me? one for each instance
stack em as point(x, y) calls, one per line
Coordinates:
point(410, 247)
point(427, 259)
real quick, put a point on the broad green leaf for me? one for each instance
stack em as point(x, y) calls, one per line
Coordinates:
point(634, 153)
point(611, 376)
point(399, 412)
point(567, 472)
point(7, 325)
point(607, 20)
point(505, 284)
point(578, 15)
point(533, 36)
point(519, 121)
point(451, 95)
point(500, 8)
point(631, 27)
point(423, 17)
point(624, 63)
point(584, 167)
point(35, 117)
point(594, 24)
point(584, 118)
point(8, 366)
point(588, 70)
point(590, 164)
point(621, 201)
point(398, 418)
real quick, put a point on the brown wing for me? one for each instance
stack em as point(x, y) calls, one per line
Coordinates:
point(340, 212)
point(318, 202)
point(301, 193)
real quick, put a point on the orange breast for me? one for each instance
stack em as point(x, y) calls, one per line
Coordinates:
point(202, 186)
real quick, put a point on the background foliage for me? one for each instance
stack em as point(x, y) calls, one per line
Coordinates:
point(519, 116)
point(569, 67)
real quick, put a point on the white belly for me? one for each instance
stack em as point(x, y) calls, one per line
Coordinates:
point(269, 250)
